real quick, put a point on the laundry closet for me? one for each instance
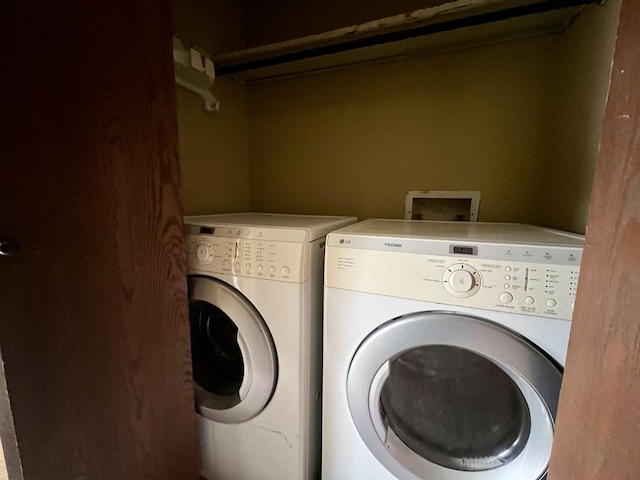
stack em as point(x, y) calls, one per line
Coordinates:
point(99, 385)
point(518, 120)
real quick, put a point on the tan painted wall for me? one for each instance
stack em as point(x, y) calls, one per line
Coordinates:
point(519, 121)
point(214, 154)
point(584, 70)
point(354, 141)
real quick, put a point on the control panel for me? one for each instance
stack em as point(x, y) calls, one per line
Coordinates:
point(248, 257)
point(529, 288)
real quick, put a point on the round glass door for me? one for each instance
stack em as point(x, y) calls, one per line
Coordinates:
point(451, 396)
point(455, 408)
point(233, 355)
point(217, 358)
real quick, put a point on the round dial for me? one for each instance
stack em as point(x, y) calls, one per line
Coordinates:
point(204, 254)
point(461, 280)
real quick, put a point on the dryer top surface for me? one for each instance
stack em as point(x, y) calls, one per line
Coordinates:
point(499, 233)
point(316, 225)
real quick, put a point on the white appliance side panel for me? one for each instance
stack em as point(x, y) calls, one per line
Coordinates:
point(506, 286)
point(312, 348)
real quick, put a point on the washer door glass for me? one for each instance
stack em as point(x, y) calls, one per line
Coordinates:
point(217, 359)
point(455, 408)
point(233, 354)
point(443, 395)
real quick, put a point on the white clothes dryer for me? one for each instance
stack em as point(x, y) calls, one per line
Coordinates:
point(255, 305)
point(444, 348)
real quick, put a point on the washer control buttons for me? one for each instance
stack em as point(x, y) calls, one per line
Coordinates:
point(226, 264)
point(529, 300)
point(260, 268)
point(507, 277)
point(508, 269)
point(248, 266)
point(551, 303)
point(573, 305)
point(236, 265)
point(506, 285)
point(272, 269)
point(461, 280)
point(285, 271)
point(506, 297)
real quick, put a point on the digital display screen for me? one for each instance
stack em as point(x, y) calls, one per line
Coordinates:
point(463, 250)
point(206, 230)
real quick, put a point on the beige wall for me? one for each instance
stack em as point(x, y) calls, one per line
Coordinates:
point(214, 155)
point(519, 121)
point(584, 70)
point(354, 141)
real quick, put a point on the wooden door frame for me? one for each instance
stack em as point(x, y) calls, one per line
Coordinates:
point(599, 413)
point(94, 325)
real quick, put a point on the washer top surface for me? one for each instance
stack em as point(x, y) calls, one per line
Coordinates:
point(317, 225)
point(507, 233)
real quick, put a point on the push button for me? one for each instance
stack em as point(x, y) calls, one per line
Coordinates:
point(506, 297)
point(529, 300)
point(551, 303)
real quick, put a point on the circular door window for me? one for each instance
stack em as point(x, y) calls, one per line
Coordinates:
point(233, 355)
point(217, 358)
point(441, 395)
point(455, 408)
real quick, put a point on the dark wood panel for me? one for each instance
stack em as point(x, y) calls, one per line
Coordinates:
point(599, 415)
point(94, 328)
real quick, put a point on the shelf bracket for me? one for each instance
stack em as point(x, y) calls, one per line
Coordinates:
point(195, 72)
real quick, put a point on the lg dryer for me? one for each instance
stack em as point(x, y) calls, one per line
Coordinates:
point(255, 290)
point(444, 349)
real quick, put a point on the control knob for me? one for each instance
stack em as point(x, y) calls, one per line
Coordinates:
point(203, 254)
point(461, 280)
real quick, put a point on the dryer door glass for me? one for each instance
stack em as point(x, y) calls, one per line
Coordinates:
point(455, 408)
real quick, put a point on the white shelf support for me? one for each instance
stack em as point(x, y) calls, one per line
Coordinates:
point(195, 72)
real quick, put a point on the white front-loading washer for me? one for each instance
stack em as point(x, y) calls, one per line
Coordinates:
point(444, 347)
point(255, 305)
